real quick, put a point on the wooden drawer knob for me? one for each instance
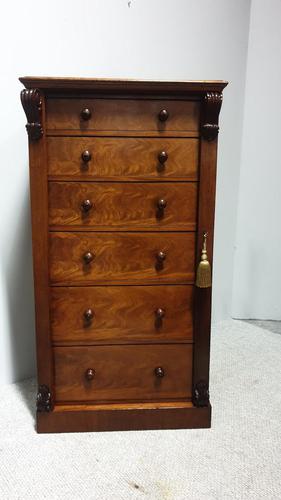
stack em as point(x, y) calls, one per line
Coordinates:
point(86, 156)
point(160, 313)
point(163, 115)
point(159, 372)
point(163, 157)
point(86, 206)
point(161, 256)
point(88, 315)
point(90, 373)
point(86, 114)
point(88, 257)
point(161, 204)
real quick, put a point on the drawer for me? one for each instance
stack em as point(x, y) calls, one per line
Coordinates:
point(123, 115)
point(130, 258)
point(139, 206)
point(111, 314)
point(122, 158)
point(127, 373)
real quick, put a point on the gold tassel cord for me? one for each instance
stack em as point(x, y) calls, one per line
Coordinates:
point(203, 277)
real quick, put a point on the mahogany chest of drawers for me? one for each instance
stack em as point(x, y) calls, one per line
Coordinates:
point(122, 177)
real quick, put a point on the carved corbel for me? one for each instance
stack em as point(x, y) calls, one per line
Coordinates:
point(44, 400)
point(31, 100)
point(210, 115)
point(200, 396)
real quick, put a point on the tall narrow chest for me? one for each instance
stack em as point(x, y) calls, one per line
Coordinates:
point(122, 177)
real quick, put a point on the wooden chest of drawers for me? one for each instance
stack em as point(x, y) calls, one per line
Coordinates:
point(122, 178)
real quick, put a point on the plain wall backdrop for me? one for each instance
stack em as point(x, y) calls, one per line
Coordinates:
point(257, 271)
point(154, 39)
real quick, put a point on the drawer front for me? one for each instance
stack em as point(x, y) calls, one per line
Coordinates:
point(138, 206)
point(121, 314)
point(130, 258)
point(107, 115)
point(109, 158)
point(125, 373)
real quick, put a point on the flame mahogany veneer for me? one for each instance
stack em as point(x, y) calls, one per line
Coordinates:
point(122, 179)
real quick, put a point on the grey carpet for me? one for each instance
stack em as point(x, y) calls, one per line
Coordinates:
point(239, 458)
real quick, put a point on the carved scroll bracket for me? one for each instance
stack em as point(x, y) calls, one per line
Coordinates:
point(200, 396)
point(31, 100)
point(44, 400)
point(210, 115)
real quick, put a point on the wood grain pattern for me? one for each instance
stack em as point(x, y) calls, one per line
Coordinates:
point(124, 206)
point(132, 405)
point(122, 417)
point(126, 369)
point(123, 373)
point(203, 297)
point(128, 258)
point(122, 158)
point(39, 219)
point(122, 86)
point(121, 114)
point(117, 311)
point(180, 134)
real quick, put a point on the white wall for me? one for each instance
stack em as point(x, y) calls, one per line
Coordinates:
point(257, 272)
point(172, 39)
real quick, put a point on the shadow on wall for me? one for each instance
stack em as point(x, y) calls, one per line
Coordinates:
point(20, 298)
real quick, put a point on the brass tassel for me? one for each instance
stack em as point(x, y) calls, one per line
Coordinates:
point(203, 278)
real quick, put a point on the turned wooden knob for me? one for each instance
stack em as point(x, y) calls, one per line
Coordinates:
point(159, 372)
point(161, 204)
point(88, 315)
point(163, 157)
point(88, 257)
point(86, 156)
point(160, 313)
point(163, 115)
point(161, 256)
point(86, 206)
point(86, 114)
point(90, 373)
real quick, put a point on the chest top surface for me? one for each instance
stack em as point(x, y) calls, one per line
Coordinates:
point(121, 84)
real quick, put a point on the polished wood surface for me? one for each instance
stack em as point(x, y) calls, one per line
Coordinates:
point(122, 115)
point(203, 297)
point(39, 219)
point(123, 373)
point(83, 132)
point(125, 206)
point(122, 189)
point(124, 417)
point(128, 258)
point(106, 85)
point(122, 158)
point(132, 405)
point(86, 114)
point(113, 314)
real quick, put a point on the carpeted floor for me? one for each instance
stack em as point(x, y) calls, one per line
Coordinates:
point(239, 458)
